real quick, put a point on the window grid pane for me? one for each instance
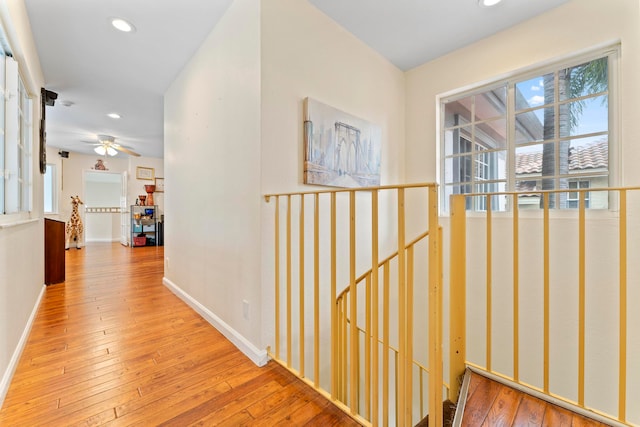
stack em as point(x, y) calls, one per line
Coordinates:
point(560, 124)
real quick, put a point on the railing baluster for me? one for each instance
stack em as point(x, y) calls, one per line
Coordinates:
point(277, 276)
point(421, 379)
point(316, 292)
point(622, 352)
point(367, 351)
point(301, 284)
point(457, 294)
point(374, 302)
point(353, 299)
point(582, 296)
point(435, 311)
point(332, 301)
point(402, 314)
point(385, 344)
point(489, 283)
point(545, 366)
point(289, 281)
point(397, 386)
point(341, 351)
point(345, 349)
point(409, 278)
point(516, 292)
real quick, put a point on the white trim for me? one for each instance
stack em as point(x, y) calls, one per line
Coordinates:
point(257, 356)
point(462, 399)
point(13, 363)
point(111, 240)
point(19, 222)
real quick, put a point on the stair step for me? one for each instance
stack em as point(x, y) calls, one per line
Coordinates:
point(492, 403)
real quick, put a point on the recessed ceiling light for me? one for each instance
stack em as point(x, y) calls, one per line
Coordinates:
point(488, 3)
point(114, 115)
point(122, 25)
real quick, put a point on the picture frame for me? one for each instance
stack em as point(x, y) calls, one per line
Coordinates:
point(340, 149)
point(159, 185)
point(145, 173)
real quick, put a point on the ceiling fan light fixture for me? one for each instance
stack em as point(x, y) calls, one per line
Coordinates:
point(488, 3)
point(114, 115)
point(123, 25)
point(104, 150)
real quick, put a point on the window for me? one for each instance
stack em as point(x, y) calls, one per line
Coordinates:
point(16, 130)
point(2, 130)
point(573, 198)
point(50, 193)
point(536, 131)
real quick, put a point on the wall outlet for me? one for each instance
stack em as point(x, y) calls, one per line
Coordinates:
point(245, 309)
point(166, 263)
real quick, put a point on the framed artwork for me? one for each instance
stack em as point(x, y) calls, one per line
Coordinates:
point(145, 173)
point(159, 185)
point(340, 150)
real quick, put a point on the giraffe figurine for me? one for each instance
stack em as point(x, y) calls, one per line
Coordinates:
point(74, 228)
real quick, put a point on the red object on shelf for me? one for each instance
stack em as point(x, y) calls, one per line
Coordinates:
point(139, 241)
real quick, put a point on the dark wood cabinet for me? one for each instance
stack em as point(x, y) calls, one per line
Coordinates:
point(54, 251)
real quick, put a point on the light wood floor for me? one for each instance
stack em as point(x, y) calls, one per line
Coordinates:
point(113, 346)
point(490, 403)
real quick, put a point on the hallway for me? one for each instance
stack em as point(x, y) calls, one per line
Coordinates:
point(113, 346)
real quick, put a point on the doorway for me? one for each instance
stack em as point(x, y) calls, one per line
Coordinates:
point(105, 205)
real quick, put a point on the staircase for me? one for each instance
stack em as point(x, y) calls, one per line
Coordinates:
point(367, 331)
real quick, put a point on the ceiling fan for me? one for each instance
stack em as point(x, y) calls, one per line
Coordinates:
point(107, 146)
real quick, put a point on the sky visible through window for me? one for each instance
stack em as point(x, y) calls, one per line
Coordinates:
point(592, 119)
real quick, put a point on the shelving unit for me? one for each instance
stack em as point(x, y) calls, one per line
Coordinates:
point(144, 225)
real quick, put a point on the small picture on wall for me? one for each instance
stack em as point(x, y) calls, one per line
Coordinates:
point(144, 173)
point(340, 150)
point(159, 185)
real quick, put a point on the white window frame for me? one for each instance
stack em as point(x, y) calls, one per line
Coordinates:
point(573, 197)
point(613, 55)
point(16, 144)
point(50, 188)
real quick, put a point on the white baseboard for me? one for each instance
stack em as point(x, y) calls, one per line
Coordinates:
point(13, 363)
point(257, 356)
point(105, 240)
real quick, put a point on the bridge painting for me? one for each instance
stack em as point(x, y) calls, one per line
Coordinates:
point(340, 150)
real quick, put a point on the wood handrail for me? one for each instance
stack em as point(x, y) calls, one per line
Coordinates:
point(381, 263)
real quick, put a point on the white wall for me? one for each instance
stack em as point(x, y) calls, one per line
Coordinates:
point(212, 163)
point(306, 54)
point(577, 26)
point(21, 245)
point(233, 131)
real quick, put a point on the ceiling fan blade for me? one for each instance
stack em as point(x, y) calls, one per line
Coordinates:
point(125, 150)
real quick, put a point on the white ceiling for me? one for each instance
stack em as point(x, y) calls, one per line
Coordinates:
point(101, 70)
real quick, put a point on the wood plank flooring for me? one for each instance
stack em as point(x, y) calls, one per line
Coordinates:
point(112, 346)
point(490, 403)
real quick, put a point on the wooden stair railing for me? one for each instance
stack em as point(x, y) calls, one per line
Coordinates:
point(303, 254)
point(342, 305)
